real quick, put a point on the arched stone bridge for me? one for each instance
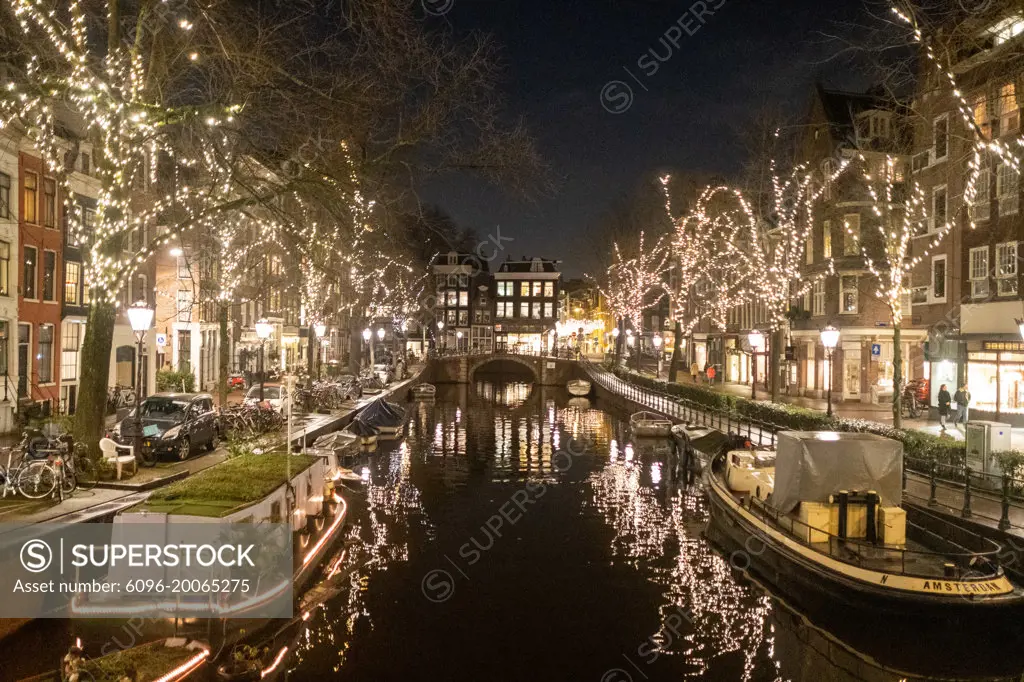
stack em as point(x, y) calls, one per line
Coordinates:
point(461, 369)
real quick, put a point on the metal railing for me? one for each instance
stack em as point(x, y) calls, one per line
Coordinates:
point(968, 481)
point(756, 431)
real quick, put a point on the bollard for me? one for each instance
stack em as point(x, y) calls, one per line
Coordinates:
point(932, 500)
point(904, 476)
point(966, 511)
point(1004, 518)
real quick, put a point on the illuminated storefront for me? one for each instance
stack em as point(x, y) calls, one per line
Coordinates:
point(995, 377)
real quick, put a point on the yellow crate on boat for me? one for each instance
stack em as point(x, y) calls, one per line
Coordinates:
point(892, 525)
point(814, 522)
point(856, 521)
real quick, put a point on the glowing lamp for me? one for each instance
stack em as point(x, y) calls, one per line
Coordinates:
point(140, 316)
point(320, 329)
point(755, 339)
point(830, 337)
point(380, 333)
point(656, 341)
point(264, 329)
point(367, 334)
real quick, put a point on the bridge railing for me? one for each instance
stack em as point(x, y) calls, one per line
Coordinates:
point(557, 354)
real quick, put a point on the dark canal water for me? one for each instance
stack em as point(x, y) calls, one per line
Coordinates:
point(517, 534)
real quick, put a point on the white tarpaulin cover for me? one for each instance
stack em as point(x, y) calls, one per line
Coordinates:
point(811, 465)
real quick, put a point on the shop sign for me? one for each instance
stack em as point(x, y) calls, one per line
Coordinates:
point(1015, 346)
point(876, 352)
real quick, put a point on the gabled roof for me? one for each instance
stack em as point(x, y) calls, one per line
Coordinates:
point(529, 265)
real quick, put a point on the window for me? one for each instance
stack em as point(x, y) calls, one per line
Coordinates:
point(1006, 269)
point(940, 138)
point(979, 272)
point(463, 299)
point(450, 317)
point(184, 271)
point(49, 202)
point(524, 309)
point(24, 358)
point(5, 335)
point(72, 281)
point(848, 285)
point(818, 298)
point(1007, 190)
point(549, 310)
point(274, 266)
point(5, 195)
point(938, 279)
point(30, 198)
point(5, 268)
point(504, 288)
point(524, 289)
point(70, 343)
point(549, 289)
point(463, 318)
point(45, 355)
point(184, 306)
point(452, 299)
point(982, 205)
point(939, 208)
point(1009, 112)
point(810, 247)
point(981, 119)
point(826, 239)
point(140, 284)
point(538, 289)
point(851, 241)
point(86, 163)
point(806, 303)
point(537, 311)
point(49, 275)
point(506, 309)
point(28, 287)
point(184, 349)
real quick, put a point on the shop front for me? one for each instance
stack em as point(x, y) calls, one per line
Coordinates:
point(995, 379)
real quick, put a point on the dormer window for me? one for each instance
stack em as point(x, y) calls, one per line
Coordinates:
point(453, 258)
point(1007, 29)
point(536, 265)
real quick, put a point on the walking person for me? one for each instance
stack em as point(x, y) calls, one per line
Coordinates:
point(944, 400)
point(962, 398)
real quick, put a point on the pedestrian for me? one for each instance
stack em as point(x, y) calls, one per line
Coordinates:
point(962, 398)
point(694, 371)
point(944, 401)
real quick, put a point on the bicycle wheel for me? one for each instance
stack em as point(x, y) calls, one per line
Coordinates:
point(37, 480)
point(85, 472)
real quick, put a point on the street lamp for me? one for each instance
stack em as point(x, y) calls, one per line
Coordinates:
point(263, 330)
point(140, 316)
point(553, 335)
point(829, 339)
point(656, 340)
point(440, 330)
point(320, 329)
point(458, 341)
point(380, 334)
point(756, 341)
point(367, 336)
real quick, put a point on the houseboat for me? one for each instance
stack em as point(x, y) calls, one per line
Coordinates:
point(578, 387)
point(820, 520)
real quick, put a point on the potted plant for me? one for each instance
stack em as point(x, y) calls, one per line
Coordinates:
point(245, 664)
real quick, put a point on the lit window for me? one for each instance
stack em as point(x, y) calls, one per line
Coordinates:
point(849, 294)
point(1007, 189)
point(940, 138)
point(810, 248)
point(524, 289)
point(538, 289)
point(939, 208)
point(938, 279)
point(45, 357)
point(851, 240)
point(72, 281)
point(463, 299)
point(30, 198)
point(826, 239)
point(49, 202)
point(1009, 111)
point(549, 289)
point(981, 207)
point(524, 310)
point(49, 275)
point(819, 298)
point(28, 287)
point(5, 195)
point(981, 119)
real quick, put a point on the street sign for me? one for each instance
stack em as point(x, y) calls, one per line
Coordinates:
point(876, 352)
point(161, 339)
point(790, 353)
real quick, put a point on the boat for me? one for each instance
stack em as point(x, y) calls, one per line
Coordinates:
point(820, 519)
point(578, 387)
point(367, 435)
point(691, 442)
point(424, 391)
point(387, 418)
point(649, 424)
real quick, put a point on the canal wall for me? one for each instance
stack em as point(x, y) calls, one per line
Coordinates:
point(461, 369)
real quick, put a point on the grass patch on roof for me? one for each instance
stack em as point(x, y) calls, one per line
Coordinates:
point(148, 662)
point(235, 482)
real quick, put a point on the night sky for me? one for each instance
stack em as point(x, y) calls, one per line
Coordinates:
point(559, 56)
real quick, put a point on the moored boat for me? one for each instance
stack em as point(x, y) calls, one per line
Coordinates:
point(820, 520)
point(424, 391)
point(649, 424)
point(387, 418)
point(578, 387)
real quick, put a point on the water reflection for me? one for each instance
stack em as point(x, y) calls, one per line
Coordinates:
point(611, 555)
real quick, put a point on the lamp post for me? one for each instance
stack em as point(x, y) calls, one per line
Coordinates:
point(320, 329)
point(263, 330)
point(656, 340)
point(458, 341)
point(440, 330)
point(829, 339)
point(368, 338)
point(756, 341)
point(553, 335)
point(615, 338)
point(140, 316)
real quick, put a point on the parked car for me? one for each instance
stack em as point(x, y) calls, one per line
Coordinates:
point(172, 424)
point(274, 394)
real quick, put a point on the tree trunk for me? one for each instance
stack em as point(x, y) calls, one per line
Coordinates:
point(897, 376)
point(355, 346)
point(92, 390)
point(677, 344)
point(620, 340)
point(224, 351)
point(312, 354)
point(774, 363)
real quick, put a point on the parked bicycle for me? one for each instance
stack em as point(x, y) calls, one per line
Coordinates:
point(119, 397)
point(47, 466)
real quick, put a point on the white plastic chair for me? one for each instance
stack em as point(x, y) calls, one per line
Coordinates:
point(109, 449)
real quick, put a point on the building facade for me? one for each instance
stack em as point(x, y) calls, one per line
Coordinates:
point(526, 300)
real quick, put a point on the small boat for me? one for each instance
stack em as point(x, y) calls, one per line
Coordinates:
point(649, 424)
point(387, 418)
point(578, 387)
point(821, 520)
point(367, 434)
point(424, 391)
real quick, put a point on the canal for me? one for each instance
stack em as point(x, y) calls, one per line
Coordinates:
point(518, 534)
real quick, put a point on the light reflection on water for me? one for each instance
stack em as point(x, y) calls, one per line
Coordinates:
point(593, 578)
